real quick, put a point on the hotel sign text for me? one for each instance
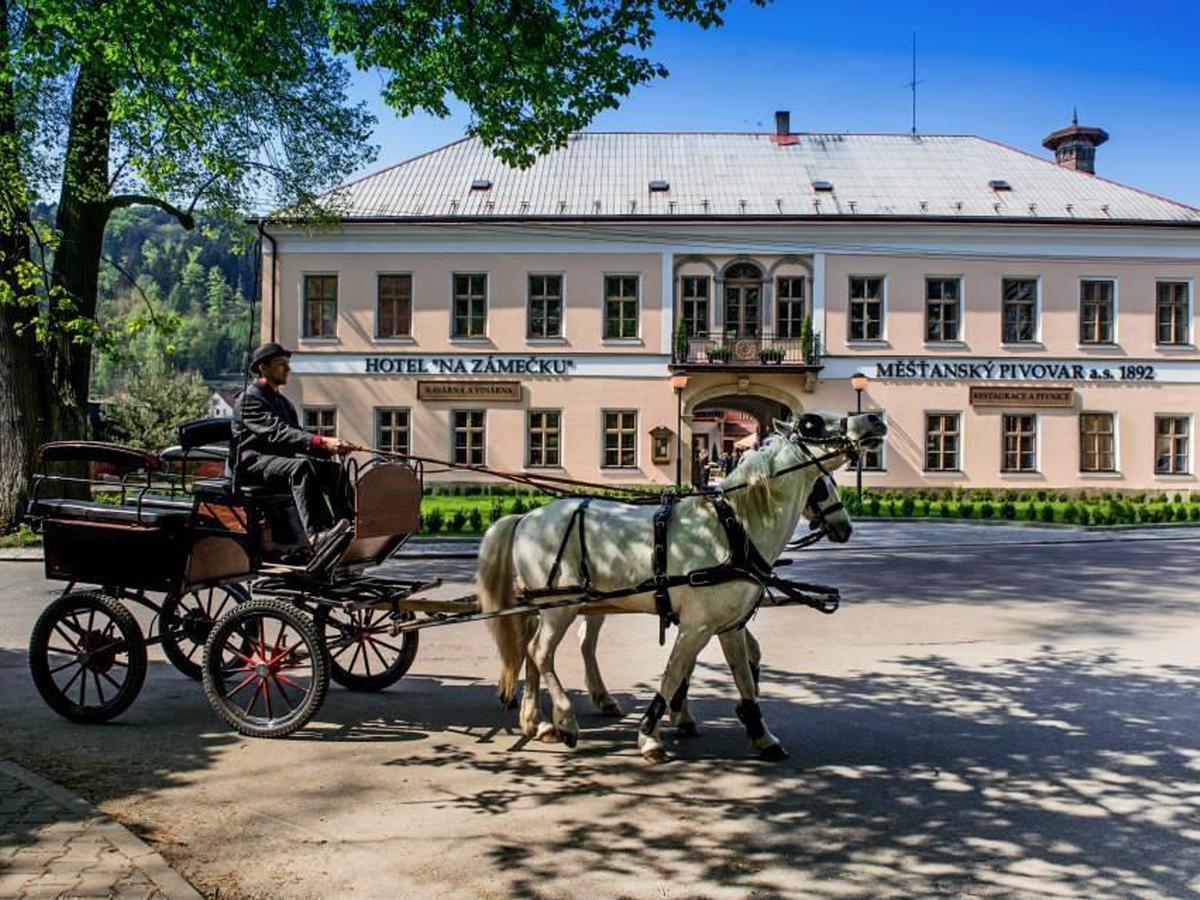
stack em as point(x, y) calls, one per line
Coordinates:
point(997, 370)
point(468, 365)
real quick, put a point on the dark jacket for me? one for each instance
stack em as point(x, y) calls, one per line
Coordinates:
point(265, 424)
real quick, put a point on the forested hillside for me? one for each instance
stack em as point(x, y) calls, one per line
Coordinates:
point(172, 295)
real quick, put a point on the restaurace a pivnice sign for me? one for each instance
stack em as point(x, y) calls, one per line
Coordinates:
point(1001, 370)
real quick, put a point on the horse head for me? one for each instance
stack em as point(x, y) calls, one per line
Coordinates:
point(856, 432)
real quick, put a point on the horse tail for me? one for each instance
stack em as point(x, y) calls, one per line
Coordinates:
point(495, 580)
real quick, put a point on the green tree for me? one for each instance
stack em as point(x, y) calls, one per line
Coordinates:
point(119, 103)
point(148, 412)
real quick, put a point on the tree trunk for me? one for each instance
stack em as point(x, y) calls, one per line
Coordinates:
point(22, 408)
point(83, 211)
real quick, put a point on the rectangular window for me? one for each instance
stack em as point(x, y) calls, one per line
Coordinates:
point(942, 444)
point(1097, 443)
point(321, 420)
point(866, 309)
point(1096, 312)
point(468, 436)
point(393, 310)
point(320, 306)
point(545, 306)
point(1020, 444)
point(545, 437)
point(1019, 300)
point(620, 306)
point(620, 438)
point(789, 307)
point(695, 305)
point(1171, 445)
point(942, 308)
point(391, 429)
point(1171, 312)
point(470, 306)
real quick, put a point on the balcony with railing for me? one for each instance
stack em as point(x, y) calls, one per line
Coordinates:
point(740, 351)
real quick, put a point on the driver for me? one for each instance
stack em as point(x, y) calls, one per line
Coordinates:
point(270, 448)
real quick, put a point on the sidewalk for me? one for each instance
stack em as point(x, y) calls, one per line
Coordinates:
point(53, 844)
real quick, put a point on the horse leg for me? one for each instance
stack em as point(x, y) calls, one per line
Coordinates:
point(688, 643)
point(553, 626)
point(755, 654)
point(681, 713)
point(531, 698)
point(737, 654)
point(589, 636)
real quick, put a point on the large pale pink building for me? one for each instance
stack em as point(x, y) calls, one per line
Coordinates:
point(1022, 321)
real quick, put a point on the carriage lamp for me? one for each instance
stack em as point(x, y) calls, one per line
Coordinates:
point(678, 383)
point(858, 381)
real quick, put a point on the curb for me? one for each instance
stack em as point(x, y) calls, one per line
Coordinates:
point(138, 851)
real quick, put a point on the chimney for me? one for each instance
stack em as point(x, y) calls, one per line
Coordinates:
point(783, 124)
point(1075, 146)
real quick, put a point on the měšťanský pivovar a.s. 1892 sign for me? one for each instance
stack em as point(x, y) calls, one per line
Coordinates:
point(1004, 370)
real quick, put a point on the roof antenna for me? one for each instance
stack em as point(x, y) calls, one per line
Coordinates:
point(1074, 115)
point(912, 85)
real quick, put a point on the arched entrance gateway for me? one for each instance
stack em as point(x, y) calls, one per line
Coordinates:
point(730, 419)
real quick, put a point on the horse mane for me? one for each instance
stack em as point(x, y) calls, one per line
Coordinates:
point(757, 491)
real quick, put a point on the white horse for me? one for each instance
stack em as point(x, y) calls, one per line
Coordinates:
point(824, 510)
point(767, 491)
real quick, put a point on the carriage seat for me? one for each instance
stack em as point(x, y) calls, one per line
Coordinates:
point(91, 511)
point(222, 489)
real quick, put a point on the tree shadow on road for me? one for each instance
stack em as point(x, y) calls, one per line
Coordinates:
point(1062, 774)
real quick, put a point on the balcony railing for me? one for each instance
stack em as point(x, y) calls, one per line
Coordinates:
point(763, 349)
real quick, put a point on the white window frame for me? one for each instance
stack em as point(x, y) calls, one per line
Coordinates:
point(637, 439)
point(485, 338)
point(1191, 446)
point(410, 338)
point(962, 442)
point(883, 313)
point(301, 317)
point(1036, 471)
point(636, 340)
point(376, 410)
point(561, 435)
point(1037, 313)
point(1190, 339)
point(1116, 420)
point(453, 429)
point(561, 337)
point(321, 407)
point(961, 340)
point(1116, 308)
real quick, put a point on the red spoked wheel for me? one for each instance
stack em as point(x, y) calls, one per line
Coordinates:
point(364, 655)
point(87, 657)
point(266, 672)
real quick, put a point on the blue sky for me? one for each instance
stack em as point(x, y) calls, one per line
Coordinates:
point(1008, 71)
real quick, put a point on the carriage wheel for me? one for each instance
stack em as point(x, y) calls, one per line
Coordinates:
point(186, 621)
point(363, 654)
point(87, 657)
point(265, 670)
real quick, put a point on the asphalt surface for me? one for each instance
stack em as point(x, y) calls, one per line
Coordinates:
point(994, 712)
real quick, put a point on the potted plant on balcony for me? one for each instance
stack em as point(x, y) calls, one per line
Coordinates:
point(770, 355)
point(717, 353)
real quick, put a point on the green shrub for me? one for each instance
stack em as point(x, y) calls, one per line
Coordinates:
point(1181, 513)
point(908, 506)
point(519, 507)
point(873, 505)
point(1031, 512)
point(986, 510)
point(1008, 510)
point(1085, 515)
point(1178, 497)
point(496, 513)
point(1071, 513)
point(475, 520)
point(458, 521)
point(1194, 514)
point(1041, 496)
point(432, 522)
point(1047, 512)
point(965, 509)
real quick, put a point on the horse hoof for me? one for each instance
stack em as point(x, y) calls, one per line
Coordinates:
point(570, 738)
point(612, 710)
point(547, 733)
point(774, 753)
point(687, 730)
point(655, 755)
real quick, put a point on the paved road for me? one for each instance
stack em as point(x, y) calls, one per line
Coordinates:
point(985, 717)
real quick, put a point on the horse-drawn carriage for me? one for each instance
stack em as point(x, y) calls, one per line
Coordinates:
point(201, 559)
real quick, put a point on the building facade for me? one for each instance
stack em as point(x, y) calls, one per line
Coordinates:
point(1020, 321)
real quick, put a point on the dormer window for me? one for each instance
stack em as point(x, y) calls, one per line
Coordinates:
point(823, 186)
point(999, 184)
point(481, 184)
point(659, 185)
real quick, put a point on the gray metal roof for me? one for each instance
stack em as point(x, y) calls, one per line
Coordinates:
point(605, 174)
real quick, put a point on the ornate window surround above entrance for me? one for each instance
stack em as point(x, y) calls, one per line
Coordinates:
point(770, 265)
